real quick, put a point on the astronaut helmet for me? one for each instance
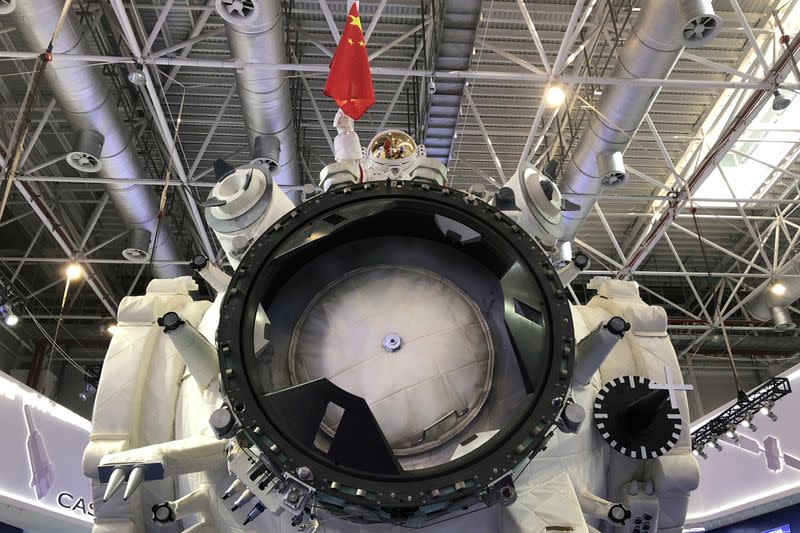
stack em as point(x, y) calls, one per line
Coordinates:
point(392, 152)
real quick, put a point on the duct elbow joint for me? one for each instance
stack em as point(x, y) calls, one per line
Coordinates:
point(593, 349)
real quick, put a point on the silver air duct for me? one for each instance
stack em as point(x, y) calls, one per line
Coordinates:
point(255, 33)
point(659, 35)
point(772, 302)
point(89, 104)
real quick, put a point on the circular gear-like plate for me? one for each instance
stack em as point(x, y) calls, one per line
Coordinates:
point(444, 361)
point(616, 424)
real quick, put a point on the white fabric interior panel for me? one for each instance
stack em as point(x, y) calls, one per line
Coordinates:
point(444, 363)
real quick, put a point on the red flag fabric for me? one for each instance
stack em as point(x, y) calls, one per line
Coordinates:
point(350, 80)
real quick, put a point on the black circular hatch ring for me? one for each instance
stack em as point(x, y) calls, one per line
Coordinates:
point(537, 317)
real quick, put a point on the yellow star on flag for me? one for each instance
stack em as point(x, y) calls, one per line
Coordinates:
point(349, 40)
point(362, 43)
point(355, 21)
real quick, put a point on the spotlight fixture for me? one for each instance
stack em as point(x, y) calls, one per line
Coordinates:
point(136, 75)
point(777, 288)
point(112, 330)
point(699, 452)
point(779, 102)
point(554, 95)
point(9, 317)
point(759, 400)
point(88, 391)
point(74, 272)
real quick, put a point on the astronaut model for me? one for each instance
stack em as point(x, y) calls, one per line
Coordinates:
point(391, 154)
point(178, 444)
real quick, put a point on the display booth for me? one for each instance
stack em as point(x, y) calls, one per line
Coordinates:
point(42, 486)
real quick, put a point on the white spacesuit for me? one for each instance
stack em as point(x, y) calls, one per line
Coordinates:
point(163, 452)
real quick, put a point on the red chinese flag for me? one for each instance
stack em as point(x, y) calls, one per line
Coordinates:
point(350, 81)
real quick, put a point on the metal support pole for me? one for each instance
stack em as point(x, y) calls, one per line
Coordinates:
point(374, 21)
point(508, 55)
point(720, 248)
point(104, 244)
point(609, 232)
point(687, 278)
point(95, 216)
point(400, 86)
point(485, 134)
point(27, 252)
point(326, 11)
point(162, 17)
point(750, 37)
point(212, 130)
point(38, 131)
point(526, 16)
point(394, 42)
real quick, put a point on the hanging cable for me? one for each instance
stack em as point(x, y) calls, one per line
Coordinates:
point(717, 312)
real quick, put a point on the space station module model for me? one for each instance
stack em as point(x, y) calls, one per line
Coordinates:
point(390, 354)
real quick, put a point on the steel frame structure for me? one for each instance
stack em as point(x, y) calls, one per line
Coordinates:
point(573, 47)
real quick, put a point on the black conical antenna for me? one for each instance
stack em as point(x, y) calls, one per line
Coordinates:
point(222, 169)
point(550, 169)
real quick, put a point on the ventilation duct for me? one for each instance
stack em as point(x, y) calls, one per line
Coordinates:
point(266, 151)
point(781, 318)
point(773, 305)
point(89, 104)
point(86, 149)
point(255, 33)
point(658, 37)
point(137, 249)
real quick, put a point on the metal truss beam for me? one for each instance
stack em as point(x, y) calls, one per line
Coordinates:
point(739, 124)
point(374, 21)
point(526, 16)
point(486, 138)
point(163, 128)
point(377, 70)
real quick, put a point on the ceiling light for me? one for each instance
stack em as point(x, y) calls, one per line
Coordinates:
point(779, 102)
point(778, 289)
point(112, 330)
point(89, 390)
point(764, 410)
point(554, 95)
point(745, 423)
point(9, 317)
point(74, 271)
point(136, 75)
